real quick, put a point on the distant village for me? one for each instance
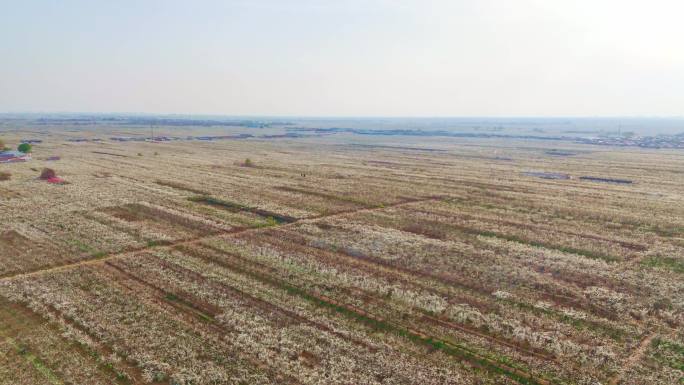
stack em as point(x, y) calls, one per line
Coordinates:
point(660, 141)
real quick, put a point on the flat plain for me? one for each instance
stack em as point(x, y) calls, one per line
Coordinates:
point(330, 260)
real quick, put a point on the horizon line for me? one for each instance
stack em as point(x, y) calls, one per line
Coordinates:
point(342, 117)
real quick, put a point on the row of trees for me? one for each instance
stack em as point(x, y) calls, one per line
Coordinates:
point(24, 147)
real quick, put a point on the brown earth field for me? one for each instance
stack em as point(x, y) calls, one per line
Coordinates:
point(341, 260)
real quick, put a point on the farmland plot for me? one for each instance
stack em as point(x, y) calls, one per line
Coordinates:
point(326, 263)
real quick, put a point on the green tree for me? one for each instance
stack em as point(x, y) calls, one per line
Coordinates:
point(24, 147)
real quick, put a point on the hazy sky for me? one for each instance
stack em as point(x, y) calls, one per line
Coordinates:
point(344, 58)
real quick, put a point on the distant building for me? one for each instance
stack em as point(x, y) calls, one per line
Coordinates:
point(14, 156)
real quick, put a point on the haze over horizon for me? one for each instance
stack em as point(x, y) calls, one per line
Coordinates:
point(355, 58)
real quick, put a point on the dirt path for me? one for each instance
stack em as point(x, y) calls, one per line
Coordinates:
point(194, 240)
point(633, 358)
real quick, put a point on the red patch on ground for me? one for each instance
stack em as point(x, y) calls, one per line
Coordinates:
point(55, 180)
